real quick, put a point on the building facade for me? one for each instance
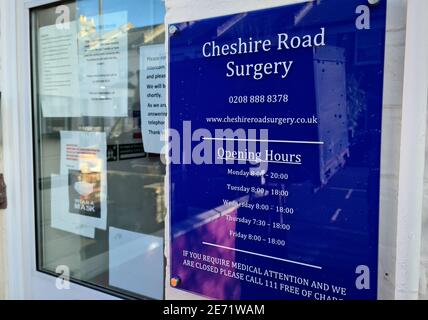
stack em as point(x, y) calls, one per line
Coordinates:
point(85, 92)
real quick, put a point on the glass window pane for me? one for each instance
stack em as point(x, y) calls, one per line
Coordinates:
point(99, 111)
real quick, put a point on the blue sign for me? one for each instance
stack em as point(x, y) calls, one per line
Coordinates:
point(275, 138)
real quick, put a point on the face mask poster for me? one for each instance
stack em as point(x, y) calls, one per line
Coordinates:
point(274, 150)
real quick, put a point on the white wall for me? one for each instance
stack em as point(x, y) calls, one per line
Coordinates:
point(186, 10)
point(424, 252)
point(2, 213)
point(391, 128)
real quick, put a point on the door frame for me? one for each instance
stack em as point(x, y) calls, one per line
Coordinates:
point(24, 280)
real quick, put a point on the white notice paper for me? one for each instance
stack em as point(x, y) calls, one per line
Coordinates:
point(58, 71)
point(103, 62)
point(152, 96)
point(83, 69)
point(83, 160)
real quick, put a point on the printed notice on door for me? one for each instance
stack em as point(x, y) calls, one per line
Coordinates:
point(83, 69)
point(84, 163)
point(103, 62)
point(58, 71)
point(153, 106)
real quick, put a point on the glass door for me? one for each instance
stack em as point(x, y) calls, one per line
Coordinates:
point(98, 103)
